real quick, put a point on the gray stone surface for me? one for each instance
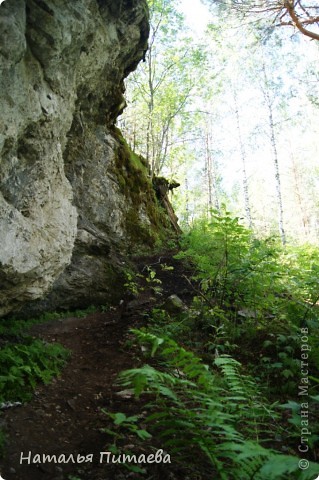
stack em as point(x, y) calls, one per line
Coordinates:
point(174, 305)
point(63, 213)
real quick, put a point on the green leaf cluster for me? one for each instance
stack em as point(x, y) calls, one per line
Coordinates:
point(253, 298)
point(213, 416)
point(24, 364)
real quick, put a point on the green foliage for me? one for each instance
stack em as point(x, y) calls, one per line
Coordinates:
point(153, 282)
point(252, 299)
point(214, 417)
point(234, 268)
point(254, 296)
point(137, 282)
point(256, 302)
point(125, 426)
point(121, 421)
point(312, 418)
point(23, 365)
point(131, 284)
point(162, 87)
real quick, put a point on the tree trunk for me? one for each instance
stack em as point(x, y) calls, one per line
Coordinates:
point(275, 158)
point(211, 174)
point(243, 160)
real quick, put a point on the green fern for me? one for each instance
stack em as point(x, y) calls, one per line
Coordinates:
point(23, 365)
point(207, 416)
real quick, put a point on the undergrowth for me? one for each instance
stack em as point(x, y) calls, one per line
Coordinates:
point(24, 364)
point(254, 301)
point(224, 384)
point(214, 420)
point(25, 361)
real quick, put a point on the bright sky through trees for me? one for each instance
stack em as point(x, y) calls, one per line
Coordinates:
point(205, 95)
point(196, 14)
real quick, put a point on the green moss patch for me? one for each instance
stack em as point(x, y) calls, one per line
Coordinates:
point(132, 173)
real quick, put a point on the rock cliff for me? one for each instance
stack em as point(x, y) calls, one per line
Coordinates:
point(73, 199)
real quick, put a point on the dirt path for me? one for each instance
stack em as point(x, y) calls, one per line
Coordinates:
point(65, 417)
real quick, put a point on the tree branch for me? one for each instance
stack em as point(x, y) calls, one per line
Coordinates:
point(289, 5)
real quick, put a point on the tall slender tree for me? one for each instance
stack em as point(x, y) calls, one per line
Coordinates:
point(211, 173)
point(269, 106)
point(243, 159)
point(163, 86)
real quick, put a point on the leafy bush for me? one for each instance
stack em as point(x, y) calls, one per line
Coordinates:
point(236, 269)
point(254, 296)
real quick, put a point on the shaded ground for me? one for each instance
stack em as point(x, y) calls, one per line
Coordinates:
point(65, 417)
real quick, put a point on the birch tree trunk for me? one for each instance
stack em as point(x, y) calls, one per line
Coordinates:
point(243, 160)
point(269, 105)
point(211, 174)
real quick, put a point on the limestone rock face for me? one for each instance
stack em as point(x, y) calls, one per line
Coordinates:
point(73, 198)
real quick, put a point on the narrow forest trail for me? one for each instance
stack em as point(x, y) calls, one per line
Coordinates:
point(65, 416)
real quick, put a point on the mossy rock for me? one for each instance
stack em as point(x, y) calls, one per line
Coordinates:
point(132, 173)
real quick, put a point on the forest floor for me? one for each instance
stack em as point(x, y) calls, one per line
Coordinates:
point(66, 417)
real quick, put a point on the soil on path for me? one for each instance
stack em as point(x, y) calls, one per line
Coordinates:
point(66, 417)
